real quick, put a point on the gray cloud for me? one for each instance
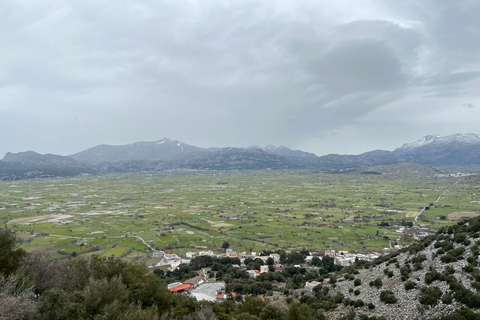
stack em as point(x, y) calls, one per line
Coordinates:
point(76, 74)
point(359, 65)
point(468, 105)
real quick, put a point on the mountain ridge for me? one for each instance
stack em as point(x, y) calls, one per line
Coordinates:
point(167, 154)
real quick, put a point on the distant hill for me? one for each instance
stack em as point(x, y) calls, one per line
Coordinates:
point(237, 159)
point(164, 149)
point(456, 149)
point(433, 150)
point(285, 151)
point(402, 168)
point(34, 165)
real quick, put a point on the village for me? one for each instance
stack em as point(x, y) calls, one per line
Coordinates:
point(204, 288)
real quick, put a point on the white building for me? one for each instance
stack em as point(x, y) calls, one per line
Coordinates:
point(208, 291)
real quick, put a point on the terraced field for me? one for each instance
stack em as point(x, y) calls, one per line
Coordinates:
point(252, 210)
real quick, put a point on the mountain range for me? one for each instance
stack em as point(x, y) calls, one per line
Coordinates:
point(167, 154)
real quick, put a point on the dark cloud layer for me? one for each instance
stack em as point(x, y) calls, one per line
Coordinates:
point(325, 76)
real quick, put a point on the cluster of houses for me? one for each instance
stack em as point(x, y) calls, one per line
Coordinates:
point(169, 259)
point(201, 290)
point(343, 258)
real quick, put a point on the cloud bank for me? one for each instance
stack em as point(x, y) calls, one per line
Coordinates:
point(327, 77)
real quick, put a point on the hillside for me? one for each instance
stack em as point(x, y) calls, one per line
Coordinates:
point(403, 168)
point(430, 279)
point(34, 165)
point(164, 149)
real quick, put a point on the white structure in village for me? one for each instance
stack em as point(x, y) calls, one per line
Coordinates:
point(208, 291)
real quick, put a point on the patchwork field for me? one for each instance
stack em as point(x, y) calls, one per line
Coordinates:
point(253, 210)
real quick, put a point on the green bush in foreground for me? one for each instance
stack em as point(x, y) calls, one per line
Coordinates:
point(388, 297)
point(429, 296)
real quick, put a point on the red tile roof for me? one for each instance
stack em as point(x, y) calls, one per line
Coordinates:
point(180, 287)
point(193, 280)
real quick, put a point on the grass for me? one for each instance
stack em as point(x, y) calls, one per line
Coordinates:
point(253, 210)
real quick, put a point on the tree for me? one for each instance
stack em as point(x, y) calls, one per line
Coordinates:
point(225, 245)
point(10, 253)
point(316, 261)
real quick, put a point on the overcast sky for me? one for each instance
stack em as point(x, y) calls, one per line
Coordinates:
point(321, 76)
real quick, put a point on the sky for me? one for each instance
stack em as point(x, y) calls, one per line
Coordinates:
point(321, 76)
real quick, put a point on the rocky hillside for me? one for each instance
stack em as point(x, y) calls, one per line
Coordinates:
point(431, 279)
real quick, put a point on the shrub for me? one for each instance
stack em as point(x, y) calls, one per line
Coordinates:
point(448, 258)
point(465, 296)
point(476, 285)
point(356, 292)
point(358, 303)
point(447, 298)
point(429, 296)
point(409, 285)
point(460, 237)
point(417, 266)
point(357, 282)
point(419, 258)
point(388, 297)
point(371, 306)
point(457, 252)
point(431, 276)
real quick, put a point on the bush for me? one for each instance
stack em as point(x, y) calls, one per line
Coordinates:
point(460, 237)
point(388, 297)
point(357, 282)
point(429, 296)
point(448, 258)
point(447, 298)
point(371, 306)
point(417, 266)
point(465, 296)
point(10, 253)
point(462, 314)
point(419, 258)
point(476, 285)
point(432, 275)
point(358, 303)
point(378, 283)
point(409, 285)
point(356, 292)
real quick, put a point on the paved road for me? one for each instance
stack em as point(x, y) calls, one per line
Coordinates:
point(438, 199)
point(145, 243)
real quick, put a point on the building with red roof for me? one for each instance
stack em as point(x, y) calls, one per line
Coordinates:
point(180, 288)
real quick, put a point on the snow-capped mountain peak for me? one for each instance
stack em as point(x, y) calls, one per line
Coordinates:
point(437, 140)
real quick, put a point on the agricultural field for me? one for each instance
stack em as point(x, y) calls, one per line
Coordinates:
point(122, 215)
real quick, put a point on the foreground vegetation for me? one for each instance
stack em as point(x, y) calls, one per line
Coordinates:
point(253, 211)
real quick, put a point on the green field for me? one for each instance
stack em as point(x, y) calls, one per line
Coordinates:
point(253, 210)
